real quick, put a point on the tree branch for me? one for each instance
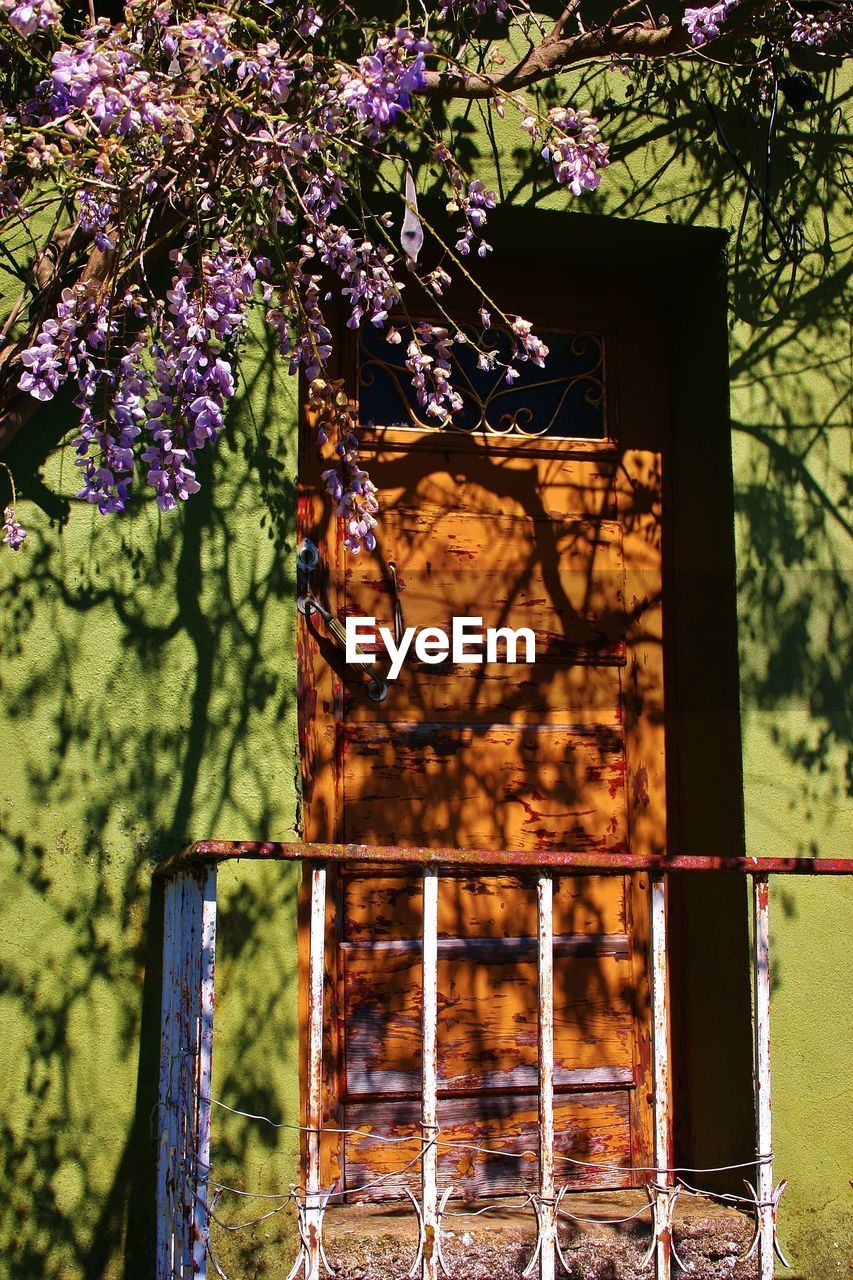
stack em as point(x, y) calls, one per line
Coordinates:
point(558, 52)
point(570, 8)
point(552, 56)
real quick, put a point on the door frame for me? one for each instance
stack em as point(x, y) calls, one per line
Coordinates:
point(703, 816)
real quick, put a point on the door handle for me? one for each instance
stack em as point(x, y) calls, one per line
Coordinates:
point(308, 604)
point(399, 620)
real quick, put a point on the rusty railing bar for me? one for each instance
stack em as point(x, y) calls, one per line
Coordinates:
point(206, 851)
point(766, 1196)
point(429, 1223)
point(661, 1193)
point(316, 963)
point(547, 1190)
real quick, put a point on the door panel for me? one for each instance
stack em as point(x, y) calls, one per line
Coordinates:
point(591, 1144)
point(379, 906)
point(563, 537)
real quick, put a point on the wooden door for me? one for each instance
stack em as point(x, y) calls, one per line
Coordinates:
point(544, 512)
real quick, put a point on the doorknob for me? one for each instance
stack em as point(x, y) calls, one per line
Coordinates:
point(307, 557)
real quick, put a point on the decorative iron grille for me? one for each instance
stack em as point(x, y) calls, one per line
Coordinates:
point(565, 400)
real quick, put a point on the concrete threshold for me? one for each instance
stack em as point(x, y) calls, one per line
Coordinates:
point(377, 1241)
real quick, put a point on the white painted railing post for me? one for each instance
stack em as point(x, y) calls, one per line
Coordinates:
point(313, 1191)
point(203, 1070)
point(763, 1122)
point(429, 1079)
point(547, 1204)
point(663, 1194)
point(186, 1048)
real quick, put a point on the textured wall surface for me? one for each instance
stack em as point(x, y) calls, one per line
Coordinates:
point(148, 688)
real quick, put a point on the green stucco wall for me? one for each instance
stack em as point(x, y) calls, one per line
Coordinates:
point(148, 688)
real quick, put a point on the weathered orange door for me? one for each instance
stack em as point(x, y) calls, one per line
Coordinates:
point(520, 522)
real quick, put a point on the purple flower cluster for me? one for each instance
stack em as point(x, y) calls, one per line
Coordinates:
point(354, 495)
point(13, 533)
point(204, 44)
point(382, 84)
point(471, 199)
point(310, 22)
point(815, 29)
point(267, 68)
point(173, 381)
point(105, 82)
point(192, 375)
point(367, 283)
point(301, 327)
point(475, 204)
point(29, 16)
point(65, 343)
point(94, 217)
point(431, 373)
point(347, 483)
point(105, 450)
point(704, 24)
point(526, 346)
point(573, 146)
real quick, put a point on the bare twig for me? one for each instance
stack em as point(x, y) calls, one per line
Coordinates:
point(570, 9)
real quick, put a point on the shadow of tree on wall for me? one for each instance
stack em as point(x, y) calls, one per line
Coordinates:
point(147, 671)
point(148, 686)
point(790, 384)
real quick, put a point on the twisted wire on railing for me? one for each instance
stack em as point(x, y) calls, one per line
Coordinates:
point(297, 1196)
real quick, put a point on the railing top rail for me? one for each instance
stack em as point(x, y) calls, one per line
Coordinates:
point(203, 852)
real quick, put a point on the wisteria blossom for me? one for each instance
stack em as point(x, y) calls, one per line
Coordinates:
point(13, 533)
point(214, 160)
point(573, 145)
point(94, 216)
point(383, 82)
point(816, 29)
point(704, 24)
point(30, 16)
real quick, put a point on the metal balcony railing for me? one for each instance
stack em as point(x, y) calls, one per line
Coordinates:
point(184, 1186)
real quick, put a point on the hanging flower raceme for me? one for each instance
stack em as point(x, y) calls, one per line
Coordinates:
point(704, 24)
point(428, 361)
point(228, 128)
point(573, 146)
point(815, 29)
point(382, 84)
point(348, 485)
point(193, 378)
point(66, 343)
point(94, 216)
point(13, 533)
